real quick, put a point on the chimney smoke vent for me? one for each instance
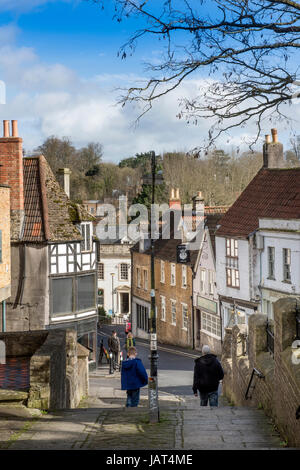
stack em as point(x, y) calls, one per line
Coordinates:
point(5, 128)
point(274, 135)
point(268, 139)
point(14, 125)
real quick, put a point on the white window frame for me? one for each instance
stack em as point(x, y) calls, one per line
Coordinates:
point(271, 262)
point(185, 318)
point(162, 272)
point(121, 278)
point(101, 277)
point(287, 261)
point(146, 279)
point(84, 243)
point(173, 303)
point(183, 276)
point(138, 277)
point(173, 274)
point(207, 326)
point(211, 281)
point(163, 308)
point(202, 280)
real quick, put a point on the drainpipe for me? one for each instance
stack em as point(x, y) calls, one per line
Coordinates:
point(193, 312)
point(4, 316)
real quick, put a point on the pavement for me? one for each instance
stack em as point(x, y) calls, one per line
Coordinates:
point(103, 422)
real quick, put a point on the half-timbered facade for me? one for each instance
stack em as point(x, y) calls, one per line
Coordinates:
point(53, 250)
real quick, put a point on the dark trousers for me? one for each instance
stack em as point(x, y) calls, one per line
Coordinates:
point(115, 359)
point(211, 397)
point(133, 397)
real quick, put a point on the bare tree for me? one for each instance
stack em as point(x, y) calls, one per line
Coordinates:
point(247, 48)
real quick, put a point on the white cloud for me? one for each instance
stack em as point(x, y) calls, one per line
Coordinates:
point(51, 99)
point(24, 5)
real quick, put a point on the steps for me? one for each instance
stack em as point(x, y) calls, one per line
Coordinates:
point(13, 397)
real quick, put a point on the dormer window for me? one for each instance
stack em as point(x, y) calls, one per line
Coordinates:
point(87, 233)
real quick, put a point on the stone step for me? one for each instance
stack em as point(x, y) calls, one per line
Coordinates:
point(13, 396)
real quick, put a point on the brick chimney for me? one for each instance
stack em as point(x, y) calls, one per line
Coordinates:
point(174, 202)
point(198, 209)
point(63, 177)
point(11, 159)
point(273, 152)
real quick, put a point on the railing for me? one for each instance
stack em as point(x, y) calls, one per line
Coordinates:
point(251, 386)
point(270, 339)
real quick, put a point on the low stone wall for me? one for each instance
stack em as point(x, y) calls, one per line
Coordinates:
point(58, 366)
point(279, 391)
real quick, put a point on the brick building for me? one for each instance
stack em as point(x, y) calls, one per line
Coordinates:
point(5, 267)
point(53, 251)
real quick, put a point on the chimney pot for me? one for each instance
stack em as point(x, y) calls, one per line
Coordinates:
point(274, 135)
point(268, 139)
point(5, 128)
point(14, 125)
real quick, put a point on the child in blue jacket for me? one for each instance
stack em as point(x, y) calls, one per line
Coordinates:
point(133, 377)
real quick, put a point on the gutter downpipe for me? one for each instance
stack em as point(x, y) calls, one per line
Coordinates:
point(4, 316)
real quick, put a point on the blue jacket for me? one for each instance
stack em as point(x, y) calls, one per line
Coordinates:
point(133, 374)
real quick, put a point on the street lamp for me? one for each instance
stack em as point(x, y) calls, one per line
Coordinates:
point(152, 384)
point(297, 312)
point(112, 295)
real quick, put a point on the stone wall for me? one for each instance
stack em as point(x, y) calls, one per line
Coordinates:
point(279, 391)
point(5, 231)
point(58, 366)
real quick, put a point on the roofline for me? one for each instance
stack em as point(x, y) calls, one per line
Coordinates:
point(44, 198)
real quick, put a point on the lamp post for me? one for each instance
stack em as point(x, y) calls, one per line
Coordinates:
point(112, 295)
point(297, 312)
point(152, 384)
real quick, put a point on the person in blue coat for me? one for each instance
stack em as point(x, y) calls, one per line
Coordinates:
point(133, 377)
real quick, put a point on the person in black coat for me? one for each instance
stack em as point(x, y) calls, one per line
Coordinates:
point(207, 374)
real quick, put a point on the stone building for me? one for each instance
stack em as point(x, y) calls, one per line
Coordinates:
point(274, 193)
point(5, 267)
point(53, 250)
point(114, 276)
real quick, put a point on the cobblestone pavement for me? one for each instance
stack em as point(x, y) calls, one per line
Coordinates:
point(102, 422)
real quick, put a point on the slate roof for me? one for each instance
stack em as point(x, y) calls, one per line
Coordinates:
point(49, 213)
point(272, 193)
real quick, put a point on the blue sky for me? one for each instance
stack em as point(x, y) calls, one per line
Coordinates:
point(59, 62)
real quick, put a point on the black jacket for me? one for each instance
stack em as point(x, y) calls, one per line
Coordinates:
point(207, 374)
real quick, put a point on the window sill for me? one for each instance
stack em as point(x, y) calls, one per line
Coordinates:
point(233, 287)
point(287, 282)
point(184, 329)
point(173, 324)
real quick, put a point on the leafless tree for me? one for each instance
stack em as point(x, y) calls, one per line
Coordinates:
point(247, 49)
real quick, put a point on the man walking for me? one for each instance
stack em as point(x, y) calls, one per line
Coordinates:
point(133, 377)
point(114, 346)
point(207, 374)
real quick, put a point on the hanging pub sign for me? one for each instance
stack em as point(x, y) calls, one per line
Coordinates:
point(183, 254)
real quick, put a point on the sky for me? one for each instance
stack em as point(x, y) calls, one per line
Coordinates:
point(59, 61)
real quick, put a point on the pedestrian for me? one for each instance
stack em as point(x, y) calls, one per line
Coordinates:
point(207, 374)
point(130, 341)
point(114, 347)
point(133, 377)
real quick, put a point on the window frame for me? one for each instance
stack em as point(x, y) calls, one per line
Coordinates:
point(173, 274)
point(271, 262)
point(173, 312)
point(84, 244)
point(205, 316)
point(163, 308)
point(98, 271)
point(185, 318)
point(183, 276)
point(121, 278)
point(162, 272)
point(287, 253)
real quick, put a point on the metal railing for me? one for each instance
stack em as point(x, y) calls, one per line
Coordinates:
point(270, 339)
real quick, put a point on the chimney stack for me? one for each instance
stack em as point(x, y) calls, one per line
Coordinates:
point(273, 152)
point(198, 210)
point(11, 159)
point(175, 202)
point(63, 177)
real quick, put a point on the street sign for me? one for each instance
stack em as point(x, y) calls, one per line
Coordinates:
point(183, 254)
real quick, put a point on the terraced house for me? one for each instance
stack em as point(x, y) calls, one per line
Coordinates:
point(53, 250)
